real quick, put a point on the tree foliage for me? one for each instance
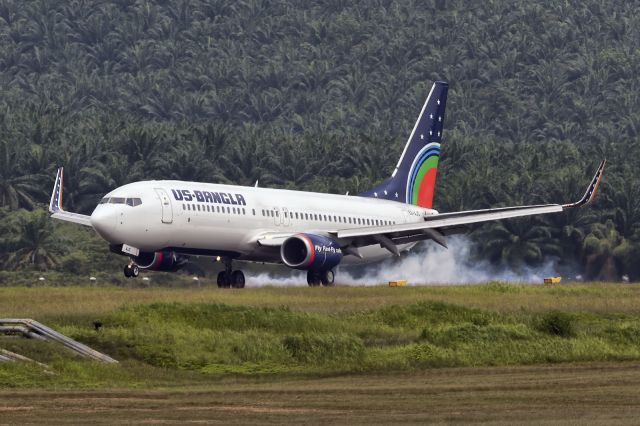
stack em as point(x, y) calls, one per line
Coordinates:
point(321, 96)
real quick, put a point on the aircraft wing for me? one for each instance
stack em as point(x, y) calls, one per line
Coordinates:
point(438, 226)
point(55, 206)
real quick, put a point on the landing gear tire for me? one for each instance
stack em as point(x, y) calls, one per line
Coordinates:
point(237, 279)
point(327, 278)
point(313, 278)
point(229, 277)
point(132, 270)
point(224, 279)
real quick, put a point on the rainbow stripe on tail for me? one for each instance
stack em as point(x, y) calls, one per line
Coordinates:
point(414, 178)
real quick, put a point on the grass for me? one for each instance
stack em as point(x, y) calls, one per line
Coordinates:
point(171, 335)
point(497, 353)
point(550, 394)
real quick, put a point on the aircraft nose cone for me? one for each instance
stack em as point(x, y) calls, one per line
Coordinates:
point(104, 222)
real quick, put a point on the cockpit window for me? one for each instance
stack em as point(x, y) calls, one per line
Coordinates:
point(121, 200)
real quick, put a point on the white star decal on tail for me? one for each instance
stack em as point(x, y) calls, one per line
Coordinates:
point(421, 136)
point(375, 194)
point(438, 101)
point(396, 195)
point(385, 192)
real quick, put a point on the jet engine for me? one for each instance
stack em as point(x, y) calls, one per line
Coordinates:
point(310, 252)
point(165, 260)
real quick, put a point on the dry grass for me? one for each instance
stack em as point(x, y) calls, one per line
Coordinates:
point(568, 394)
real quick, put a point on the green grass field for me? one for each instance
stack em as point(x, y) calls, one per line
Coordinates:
point(262, 341)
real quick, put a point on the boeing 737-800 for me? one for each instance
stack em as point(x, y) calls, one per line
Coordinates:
point(159, 224)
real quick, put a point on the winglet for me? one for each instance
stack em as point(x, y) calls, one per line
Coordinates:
point(590, 195)
point(55, 205)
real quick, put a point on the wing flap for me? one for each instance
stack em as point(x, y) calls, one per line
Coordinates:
point(442, 221)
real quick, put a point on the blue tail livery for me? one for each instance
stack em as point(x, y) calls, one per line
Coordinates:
point(414, 178)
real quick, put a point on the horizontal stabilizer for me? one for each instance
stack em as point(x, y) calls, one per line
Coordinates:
point(55, 205)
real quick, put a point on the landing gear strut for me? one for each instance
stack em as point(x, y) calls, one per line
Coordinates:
point(131, 270)
point(315, 278)
point(229, 277)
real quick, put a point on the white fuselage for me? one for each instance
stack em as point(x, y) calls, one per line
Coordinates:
point(212, 219)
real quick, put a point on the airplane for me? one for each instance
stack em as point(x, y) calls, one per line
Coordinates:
point(159, 224)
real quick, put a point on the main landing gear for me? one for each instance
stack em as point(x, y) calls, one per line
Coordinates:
point(315, 278)
point(229, 277)
point(131, 270)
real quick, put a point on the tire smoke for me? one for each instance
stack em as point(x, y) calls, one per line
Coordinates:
point(426, 264)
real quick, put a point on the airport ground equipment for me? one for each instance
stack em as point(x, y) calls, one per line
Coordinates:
point(35, 330)
point(397, 283)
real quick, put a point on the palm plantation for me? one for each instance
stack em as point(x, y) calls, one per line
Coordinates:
point(322, 97)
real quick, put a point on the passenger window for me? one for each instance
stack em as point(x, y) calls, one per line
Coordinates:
point(183, 207)
point(254, 211)
point(277, 213)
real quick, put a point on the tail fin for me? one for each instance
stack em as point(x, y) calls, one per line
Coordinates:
point(414, 178)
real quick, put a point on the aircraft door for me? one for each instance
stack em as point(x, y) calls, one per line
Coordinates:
point(277, 216)
point(286, 216)
point(167, 209)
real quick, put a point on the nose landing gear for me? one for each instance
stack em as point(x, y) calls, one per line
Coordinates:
point(131, 270)
point(230, 278)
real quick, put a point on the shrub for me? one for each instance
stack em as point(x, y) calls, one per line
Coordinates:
point(558, 324)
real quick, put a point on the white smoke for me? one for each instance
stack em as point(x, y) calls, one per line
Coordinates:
point(427, 264)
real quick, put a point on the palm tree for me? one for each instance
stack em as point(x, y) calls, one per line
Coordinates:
point(34, 244)
point(516, 242)
point(18, 187)
point(603, 249)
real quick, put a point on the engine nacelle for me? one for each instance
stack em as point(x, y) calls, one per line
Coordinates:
point(310, 252)
point(167, 261)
